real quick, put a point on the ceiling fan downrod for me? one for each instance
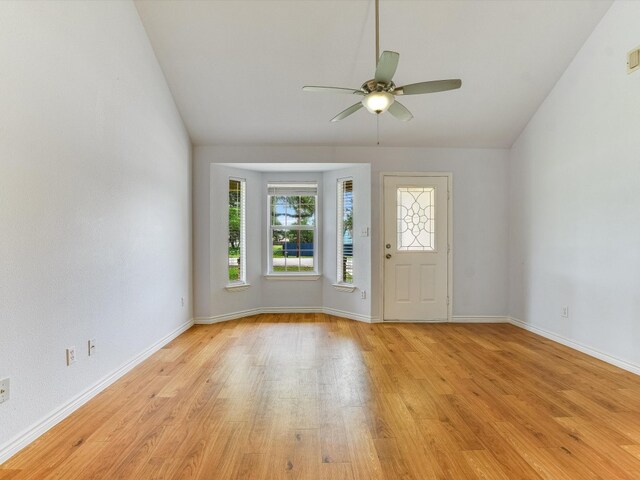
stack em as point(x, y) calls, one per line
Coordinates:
point(377, 31)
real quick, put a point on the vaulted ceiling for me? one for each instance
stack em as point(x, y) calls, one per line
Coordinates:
point(236, 68)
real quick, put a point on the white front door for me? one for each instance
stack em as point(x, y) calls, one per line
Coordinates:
point(416, 246)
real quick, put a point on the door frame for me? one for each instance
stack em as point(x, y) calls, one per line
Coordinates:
point(380, 249)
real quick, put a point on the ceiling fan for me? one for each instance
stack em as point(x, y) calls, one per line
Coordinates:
point(379, 93)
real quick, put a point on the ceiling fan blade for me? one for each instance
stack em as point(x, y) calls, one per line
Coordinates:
point(386, 67)
point(313, 88)
point(347, 112)
point(400, 111)
point(428, 87)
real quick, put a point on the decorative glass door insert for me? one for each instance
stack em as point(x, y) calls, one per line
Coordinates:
point(416, 219)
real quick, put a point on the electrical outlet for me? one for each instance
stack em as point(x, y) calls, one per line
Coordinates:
point(564, 311)
point(4, 390)
point(92, 347)
point(363, 294)
point(71, 355)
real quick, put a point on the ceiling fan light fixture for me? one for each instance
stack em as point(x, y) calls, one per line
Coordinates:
point(378, 102)
point(379, 93)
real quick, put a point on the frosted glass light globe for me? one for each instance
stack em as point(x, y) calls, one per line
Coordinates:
point(378, 102)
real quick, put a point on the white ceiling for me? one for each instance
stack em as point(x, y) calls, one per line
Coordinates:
point(236, 68)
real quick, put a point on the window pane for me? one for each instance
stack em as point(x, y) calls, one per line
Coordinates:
point(272, 210)
point(301, 210)
point(292, 251)
point(278, 253)
point(308, 211)
point(278, 210)
point(293, 216)
point(293, 264)
point(347, 232)
point(235, 249)
point(415, 218)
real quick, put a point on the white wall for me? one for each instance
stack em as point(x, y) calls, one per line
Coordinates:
point(574, 195)
point(216, 300)
point(94, 201)
point(336, 300)
point(479, 206)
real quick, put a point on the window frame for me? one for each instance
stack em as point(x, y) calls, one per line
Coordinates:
point(340, 211)
point(308, 275)
point(242, 242)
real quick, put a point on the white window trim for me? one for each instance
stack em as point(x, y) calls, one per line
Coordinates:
point(312, 275)
point(344, 287)
point(241, 283)
point(340, 284)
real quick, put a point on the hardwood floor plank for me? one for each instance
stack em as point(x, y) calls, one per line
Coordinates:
point(450, 462)
point(253, 466)
point(76, 464)
point(313, 396)
point(512, 460)
point(8, 474)
point(362, 450)
point(333, 436)
point(485, 465)
point(336, 471)
point(633, 450)
point(307, 457)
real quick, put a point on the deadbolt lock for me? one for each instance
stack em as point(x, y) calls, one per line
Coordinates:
point(388, 245)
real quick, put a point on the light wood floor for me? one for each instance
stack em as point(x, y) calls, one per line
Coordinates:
point(313, 396)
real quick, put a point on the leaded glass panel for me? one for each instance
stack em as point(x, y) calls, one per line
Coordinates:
point(416, 218)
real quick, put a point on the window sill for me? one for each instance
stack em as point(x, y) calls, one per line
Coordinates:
point(344, 287)
point(237, 287)
point(292, 276)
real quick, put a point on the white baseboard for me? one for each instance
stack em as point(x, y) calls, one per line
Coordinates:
point(618, 362)
point(256, 311)
point(352, 316)
point(14, 445)
point(226, 317)
point(338, 313)
point(291, 310)
point(479, 319)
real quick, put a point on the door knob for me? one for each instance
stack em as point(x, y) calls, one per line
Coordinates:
point(388, 255)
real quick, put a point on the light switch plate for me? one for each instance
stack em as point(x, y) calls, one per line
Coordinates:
point(633, 60)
